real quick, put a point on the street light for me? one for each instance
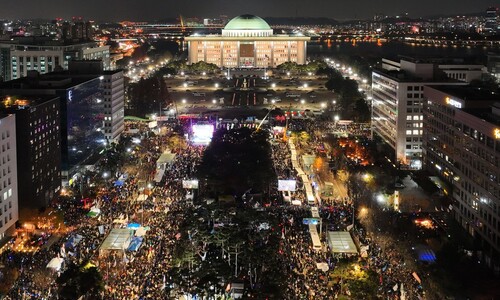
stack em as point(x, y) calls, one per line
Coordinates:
point(214, 101)
point(185, 84)
point(323, 105)
point(204, 73)
point(305, 85)
point(182, 73)
point(302, 101)
point(184, 101)
point(216, 85)
point(334, 102)
point(273, 85)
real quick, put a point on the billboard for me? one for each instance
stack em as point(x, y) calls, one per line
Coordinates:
point(286, 185)
point(202, 133)
point(190, 184)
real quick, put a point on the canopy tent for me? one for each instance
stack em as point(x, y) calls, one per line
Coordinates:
point(425, 254)
point(341, 242)
point(94, 212)
point(141, 231)
point(135, 243)
point(165, 158)
point(133, 225)
point(117, 239)
point(55, 263)
point(73, 241)
point(123, 177)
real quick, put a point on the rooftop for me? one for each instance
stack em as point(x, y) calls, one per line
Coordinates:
point(468, 93)
point(404, 76)
point(247, 22)
point(55, 80)
point(10, 103)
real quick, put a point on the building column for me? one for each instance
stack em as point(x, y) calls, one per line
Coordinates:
point(305, 52)
point(272, 54)
point(288, 50)
point(221, 54)
point(238, 55)
point(205, 51)
point(255, 53)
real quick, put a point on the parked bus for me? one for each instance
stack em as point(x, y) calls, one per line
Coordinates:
point(316, 242)
point(314, 212)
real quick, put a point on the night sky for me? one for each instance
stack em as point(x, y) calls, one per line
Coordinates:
point(115, 10)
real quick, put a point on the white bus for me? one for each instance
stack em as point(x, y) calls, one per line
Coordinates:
point(314, 212)
point(310, 195)
point(315, 237)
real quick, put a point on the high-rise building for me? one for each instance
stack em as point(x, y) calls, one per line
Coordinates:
point(397, 90)
point(113, 90)
point(462, 146)
point(493, 64)
point(9, 212)
point(491, 20)
point(39, 144)
point(17, 59)
point(82, 118)
point(247, 41)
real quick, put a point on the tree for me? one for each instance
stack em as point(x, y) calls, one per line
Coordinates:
point(148, 96)
point(237, 160)
point(80, 280)
point(362, 110)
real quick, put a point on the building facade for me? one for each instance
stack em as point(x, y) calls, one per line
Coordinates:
point(81, 113)
point(247, 41)
point(113, 90)
point(9, 210)
point(462, 146)
point(16, 60)
point(39, 144)
point(397, 104)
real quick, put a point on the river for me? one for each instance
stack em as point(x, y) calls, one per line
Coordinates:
point(392, 49)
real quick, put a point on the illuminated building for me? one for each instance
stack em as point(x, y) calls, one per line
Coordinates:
point(462, 146)
point(247, 41)
point(39, 144)
point(397, 91)
point(17, 59)
point(113, 89)
point(9, 213)
point(81, 109)
point(491, 20)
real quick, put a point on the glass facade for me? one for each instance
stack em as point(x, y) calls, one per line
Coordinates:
point(82, 131)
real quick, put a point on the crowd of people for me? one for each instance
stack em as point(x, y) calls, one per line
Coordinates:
point(144, 274)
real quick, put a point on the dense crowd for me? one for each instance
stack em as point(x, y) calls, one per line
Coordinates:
point(144, 274)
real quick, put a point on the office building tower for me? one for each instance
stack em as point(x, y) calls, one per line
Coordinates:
point(462, 146)
point(39, 145)
point(397, 90)
point(9, 213)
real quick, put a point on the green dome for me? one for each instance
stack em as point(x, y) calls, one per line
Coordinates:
point(247, 22)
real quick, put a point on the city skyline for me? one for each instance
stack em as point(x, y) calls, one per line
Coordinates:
point(147, 10)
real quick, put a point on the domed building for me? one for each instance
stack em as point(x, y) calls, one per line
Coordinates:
point(247, 41)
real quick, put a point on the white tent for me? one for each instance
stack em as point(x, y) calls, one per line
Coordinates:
point(117, 239)
point(141, 231)
point(341, 242)
point(55, 263)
